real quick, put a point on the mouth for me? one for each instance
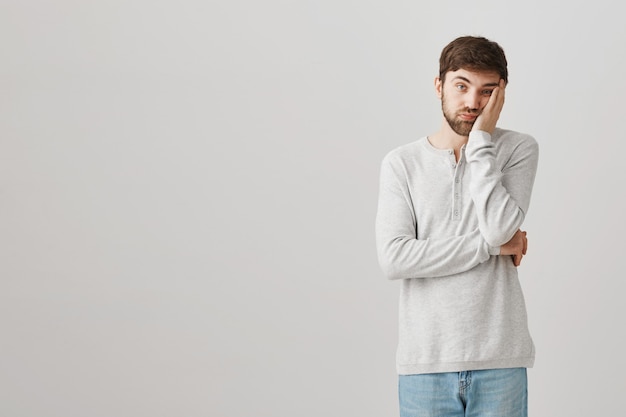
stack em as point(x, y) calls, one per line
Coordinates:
point(468, 117)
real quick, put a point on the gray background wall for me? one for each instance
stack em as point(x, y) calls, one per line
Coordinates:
point(188, 192)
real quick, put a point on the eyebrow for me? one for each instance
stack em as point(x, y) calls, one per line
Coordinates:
point(459, 77)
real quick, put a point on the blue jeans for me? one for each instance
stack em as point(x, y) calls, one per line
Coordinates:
point(486, 393)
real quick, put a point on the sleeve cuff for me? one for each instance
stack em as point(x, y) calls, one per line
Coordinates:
point(480, 135)
point(494, 250)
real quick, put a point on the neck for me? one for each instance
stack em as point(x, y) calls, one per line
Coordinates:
point(446, 138)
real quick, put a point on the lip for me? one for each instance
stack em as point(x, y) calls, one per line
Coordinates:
point(466, 116)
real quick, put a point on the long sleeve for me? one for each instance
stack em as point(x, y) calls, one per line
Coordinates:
point(401, 252)
point(501, 189)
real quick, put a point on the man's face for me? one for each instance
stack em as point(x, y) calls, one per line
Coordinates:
point(463, 95)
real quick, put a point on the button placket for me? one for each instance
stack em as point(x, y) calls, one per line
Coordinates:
point(457, 190)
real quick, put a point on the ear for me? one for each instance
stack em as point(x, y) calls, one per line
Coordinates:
point(438, 87)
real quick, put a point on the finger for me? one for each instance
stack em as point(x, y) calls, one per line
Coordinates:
point(494, 106)
point(490, 103)
point(525, 244)
point(497, 97)
point(495, 94)
point(493, 99)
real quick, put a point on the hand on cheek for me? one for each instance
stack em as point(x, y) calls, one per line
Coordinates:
point(491, 113)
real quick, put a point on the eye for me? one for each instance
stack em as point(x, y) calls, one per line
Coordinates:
point(460, 87)
point(487, 92)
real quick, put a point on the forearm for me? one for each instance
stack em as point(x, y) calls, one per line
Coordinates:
point(501, 194)
point(404, 256)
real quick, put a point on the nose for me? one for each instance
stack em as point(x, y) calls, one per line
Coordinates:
point(472, 100)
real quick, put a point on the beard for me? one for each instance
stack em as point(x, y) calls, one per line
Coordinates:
point(459, 126)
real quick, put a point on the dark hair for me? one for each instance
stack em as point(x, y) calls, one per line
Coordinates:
point(475, 54)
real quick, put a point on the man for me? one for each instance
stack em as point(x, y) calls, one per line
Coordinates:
point(448, 225)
